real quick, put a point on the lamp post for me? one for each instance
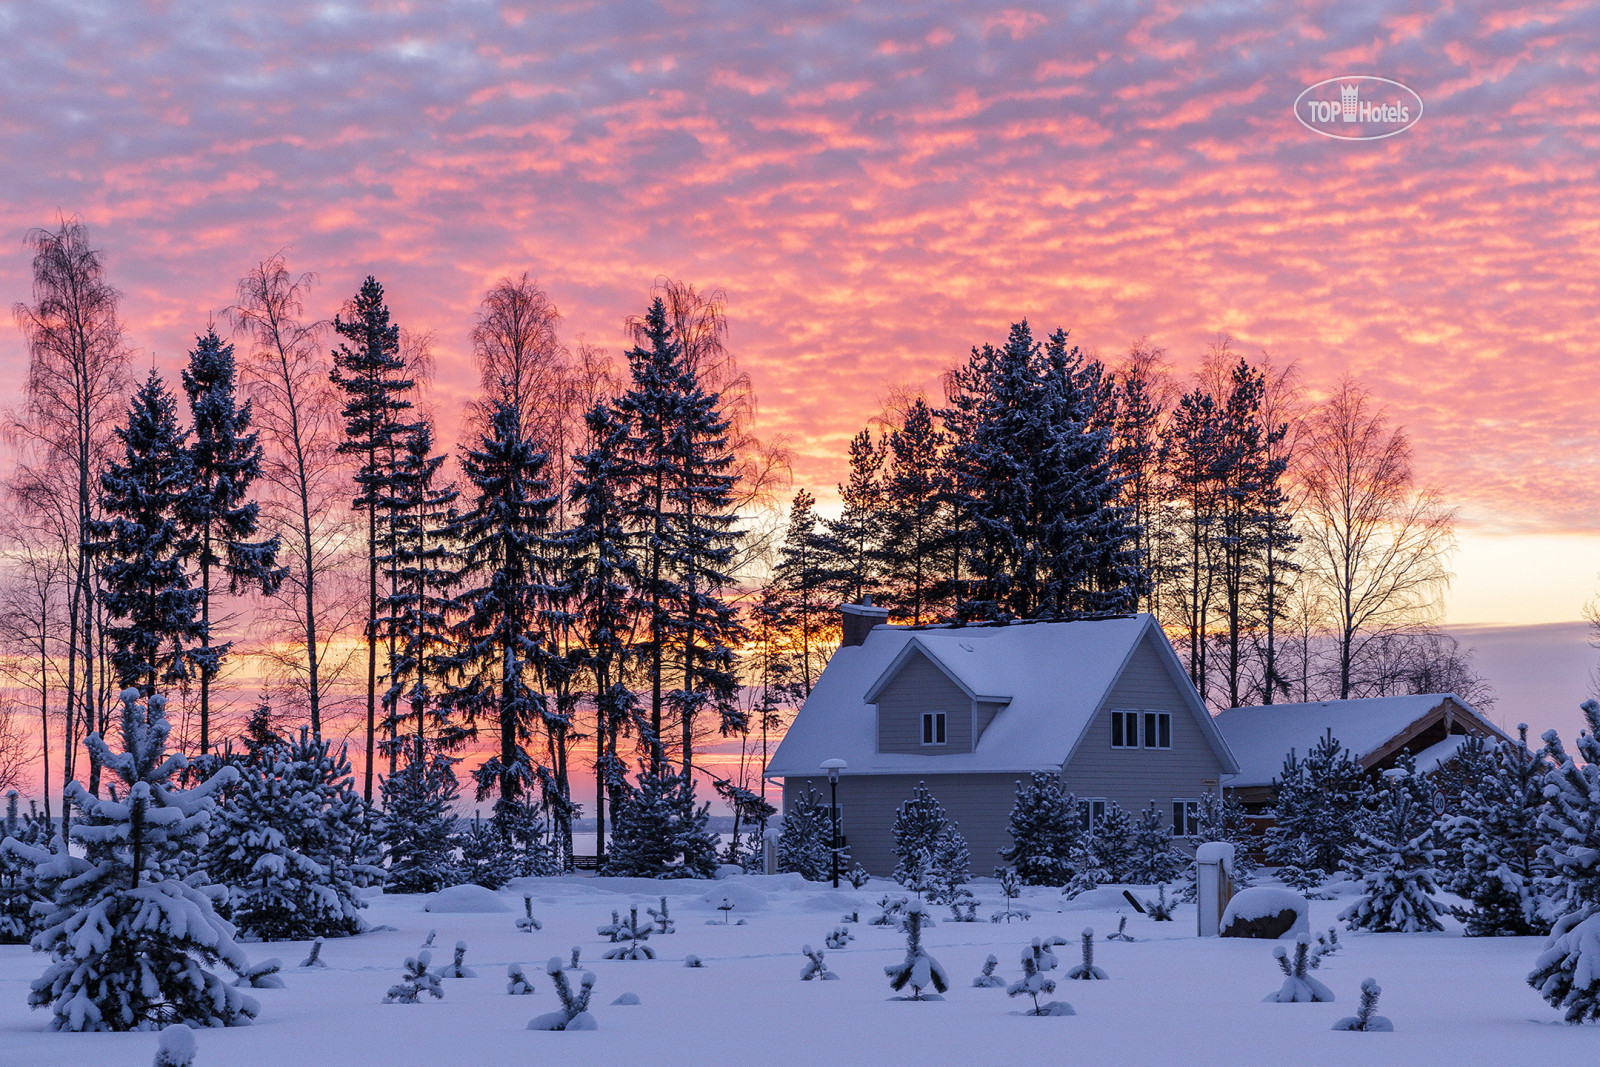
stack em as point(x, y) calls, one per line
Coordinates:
point(833, 767)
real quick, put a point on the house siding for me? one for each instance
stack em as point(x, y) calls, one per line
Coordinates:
point(980, 803)
point(921, 686)
point(1135, 777)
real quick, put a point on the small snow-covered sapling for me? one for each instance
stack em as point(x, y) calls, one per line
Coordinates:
point(816, 967)
point(415, 982)
point(635, 935)
point(1122, 931)
point(175, 1047)
point(458, 967)
point(1159, 909)
point(664, 922)
point(517, 983)
point(963, 905)
point(612, 930)
point(1298, 985)
point(920, 878)
point(839, 938)
point(573, 966)
point(851, 917)
point(1328, 943)
point(919, 970)
point(315, 959)
point(858, 876)
point(429, 942)
point(1034, 982)
point(574, 1013)
point(528, 924)
point(263, 975)
point(1011, 889)
point(1364, 1018)
point(692, 960)
point(892, 908)
point(988, 979)
point(1087, 971)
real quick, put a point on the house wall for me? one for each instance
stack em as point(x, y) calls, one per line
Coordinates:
point(1134, 777)
point(980, 803)
point(920, 686)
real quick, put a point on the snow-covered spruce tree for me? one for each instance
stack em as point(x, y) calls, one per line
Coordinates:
point(816, 966)
point(1567, 972)
point(658, 832)
point(574, 1013)
point(921, 825)
point(129, 938)
point(1460, 777)
point(508, 583)
point(226, 459)
point(919, 970)
point(1087, 971)
point(1037, 961)
point(1087, 873)
point(1498, 840)
point(1011, 890)
point(145, 546)
point(1044, 831)
point(1032, 482)
point(1113, 843)
point(1155, 858)
point(525, 842)
point(19, 890)
point(1319, 807)
point(517, 983)
point(416, 980)
point(1298, 985)
point(804, 843)
point(290, 844)
point(951, 861)
point(1223, 818)
point(635, 934)
point(1393, 855)
point(417, 827)
point(987, 979)
point(483, 855)
point(1366, 1017)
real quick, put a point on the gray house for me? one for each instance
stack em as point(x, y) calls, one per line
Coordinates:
point(971, 711)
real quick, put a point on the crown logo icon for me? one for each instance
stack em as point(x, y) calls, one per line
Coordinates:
point(1347, 101)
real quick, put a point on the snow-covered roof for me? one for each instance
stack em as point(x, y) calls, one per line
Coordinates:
point(1262, 736)
point(1049, 677)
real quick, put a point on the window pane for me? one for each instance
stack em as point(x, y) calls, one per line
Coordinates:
point(1149, 729)
point(927, 729)
point(1177, 819)
point(1116, 729)
point(938, 728)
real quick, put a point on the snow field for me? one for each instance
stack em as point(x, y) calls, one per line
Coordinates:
point(1170, 997)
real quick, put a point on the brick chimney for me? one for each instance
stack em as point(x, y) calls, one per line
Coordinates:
point(855, 620)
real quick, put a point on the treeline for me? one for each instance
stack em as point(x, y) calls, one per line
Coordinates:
point(1281, 540)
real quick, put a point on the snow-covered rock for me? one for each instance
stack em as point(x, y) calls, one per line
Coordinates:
point(1267, 912)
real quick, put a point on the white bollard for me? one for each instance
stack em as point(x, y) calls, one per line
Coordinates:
point(1213, 885)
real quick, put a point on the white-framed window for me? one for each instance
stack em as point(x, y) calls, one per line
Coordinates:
point(1090, 811)
point(933, 727)
point(1141, 729)
point(1185, 818)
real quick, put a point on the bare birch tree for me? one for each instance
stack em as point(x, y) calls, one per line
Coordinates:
point(1377, 543)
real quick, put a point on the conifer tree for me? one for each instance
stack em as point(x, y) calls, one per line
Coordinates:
point(129, 936)
point(1393, 854)
point(146, 547)
point(1155, 859)
point(418, 828)
point(1190, 454)
point(919, 827)
point(680, 508)
point(1498, 835)
point(1223, 818)
point(798, 592)
point(509, 582)
point(1044, 831)
point(226, 460)
point(1567, 972)
point(806, 841)
point(1319, 805)
point(659, 833)
point(603, 576)
point(852, 543)
point(914, 525)
point(370, 370)
point(1112, 843)
point(419, 560)
point(290, 844)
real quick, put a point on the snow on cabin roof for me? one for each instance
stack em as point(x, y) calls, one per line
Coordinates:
point(1048, 677)
point(1262, 736)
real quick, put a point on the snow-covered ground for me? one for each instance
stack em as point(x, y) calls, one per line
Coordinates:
point(1171, 998)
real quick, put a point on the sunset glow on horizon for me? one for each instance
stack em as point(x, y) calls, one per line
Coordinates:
point(878, 188)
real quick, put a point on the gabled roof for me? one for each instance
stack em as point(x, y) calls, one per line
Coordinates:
point(1049, 677)
point(1369, 727)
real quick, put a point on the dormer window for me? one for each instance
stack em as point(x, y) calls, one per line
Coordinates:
point(933, 727)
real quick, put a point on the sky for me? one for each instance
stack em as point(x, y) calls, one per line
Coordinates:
point(878, 187)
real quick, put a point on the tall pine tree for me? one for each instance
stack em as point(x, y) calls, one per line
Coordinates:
point(226, 460)
point(370, 370)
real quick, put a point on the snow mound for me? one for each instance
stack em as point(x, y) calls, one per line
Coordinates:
point(1101, 898)
point(744, 896)
point(465, 899)
point(626, 1000)
point(1259, 903)
point(729, 870)
point(831, 902)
